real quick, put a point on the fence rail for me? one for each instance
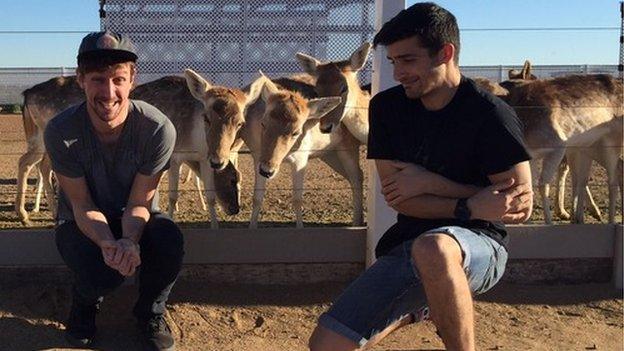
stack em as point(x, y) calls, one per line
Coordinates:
point(15, 80)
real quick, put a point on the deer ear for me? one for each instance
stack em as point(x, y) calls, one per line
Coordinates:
point(268, 88)
point(196, 84)
point(308, 63)
point(526, 70)
point(255, 89)
point(359, 56)
point(322, 106)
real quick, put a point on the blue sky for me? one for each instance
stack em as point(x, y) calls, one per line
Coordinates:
point(479, 47)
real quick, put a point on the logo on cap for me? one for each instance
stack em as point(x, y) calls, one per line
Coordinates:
point(107, 41)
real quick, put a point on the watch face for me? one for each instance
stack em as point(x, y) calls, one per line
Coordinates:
point(462, 212)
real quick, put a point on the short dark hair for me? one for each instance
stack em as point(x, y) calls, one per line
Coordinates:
point(434, 26)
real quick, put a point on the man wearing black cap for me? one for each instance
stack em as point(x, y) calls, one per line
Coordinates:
point(108, 154)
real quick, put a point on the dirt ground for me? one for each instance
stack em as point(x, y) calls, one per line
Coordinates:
point(222, 317)
point(208, 316)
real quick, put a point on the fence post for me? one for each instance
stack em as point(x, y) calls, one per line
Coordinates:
point(618, 256)
point(380, 217)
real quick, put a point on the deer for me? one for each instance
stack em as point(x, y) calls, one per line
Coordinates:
point(41, 102)
point(556, 113)
point(45, 100)
point(607, 147)
point(339, 78)
point(283, 126)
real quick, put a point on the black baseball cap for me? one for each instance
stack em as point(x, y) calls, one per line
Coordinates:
point(107, 44)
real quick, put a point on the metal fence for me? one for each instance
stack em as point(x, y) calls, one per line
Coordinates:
point(229, 41)
point(15, 80)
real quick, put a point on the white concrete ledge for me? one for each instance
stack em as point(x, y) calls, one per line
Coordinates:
point(319, 245)
point(561, 241)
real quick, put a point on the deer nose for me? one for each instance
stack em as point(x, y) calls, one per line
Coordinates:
point(216, 165)
point(266, 174)
point(326, 129)
point(233, 210)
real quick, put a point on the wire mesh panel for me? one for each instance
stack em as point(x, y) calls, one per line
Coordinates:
point(500, 73)
point(230, 40)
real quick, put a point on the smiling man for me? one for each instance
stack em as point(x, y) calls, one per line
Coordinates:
point(108, 154)
point(453, 164)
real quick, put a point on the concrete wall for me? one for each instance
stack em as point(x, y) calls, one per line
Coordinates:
point(538, 253)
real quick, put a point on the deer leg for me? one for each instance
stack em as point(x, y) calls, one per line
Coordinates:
point(207, 174)
point(350, 160)
point(549, 167)
point(198, 184)
point(26, 163)
point(174, 184)
point(581, 167)
point(562, 174)
point(45, 166)
point(258, 196)
point(613, 166)
point(298, 175)
point(38, 191)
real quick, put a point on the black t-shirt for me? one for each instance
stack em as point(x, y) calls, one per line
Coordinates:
point(474, 136)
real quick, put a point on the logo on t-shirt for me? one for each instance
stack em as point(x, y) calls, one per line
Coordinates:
point(69, 142)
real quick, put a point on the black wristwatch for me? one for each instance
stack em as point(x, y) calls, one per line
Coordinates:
point(462, 212)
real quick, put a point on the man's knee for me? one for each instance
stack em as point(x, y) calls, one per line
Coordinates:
point(162, 236)
point(324, 339)
point(435, 253)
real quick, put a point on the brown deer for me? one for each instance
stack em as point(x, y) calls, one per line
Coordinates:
point(339, 78)
point(518, 78)
point(45, 100)
point(283, 126)
point(42, 102)
point(556, 113)
point(606, 147)
point(287, 129)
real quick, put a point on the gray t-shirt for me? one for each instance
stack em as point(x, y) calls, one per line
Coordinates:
point(144, 146)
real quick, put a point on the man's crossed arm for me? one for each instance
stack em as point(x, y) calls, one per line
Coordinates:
point(417, 192)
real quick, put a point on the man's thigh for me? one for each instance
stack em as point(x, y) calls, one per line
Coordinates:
point(385, 293)
point(484, 259)
point(161, 237)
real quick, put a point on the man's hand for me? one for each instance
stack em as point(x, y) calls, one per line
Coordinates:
point(108, 247)
point(410, 180)
point(122, 255)
point(502, 201)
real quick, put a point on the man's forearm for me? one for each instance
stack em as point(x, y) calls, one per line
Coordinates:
point(444, 187)
point(93, 224)
point(133, 222)
point(428, 206)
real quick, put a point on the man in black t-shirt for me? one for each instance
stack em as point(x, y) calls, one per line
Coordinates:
point(453, 164)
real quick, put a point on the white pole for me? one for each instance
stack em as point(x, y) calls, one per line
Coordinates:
point(380, 216)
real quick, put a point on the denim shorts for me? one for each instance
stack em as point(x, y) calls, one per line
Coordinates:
point(390, 289)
